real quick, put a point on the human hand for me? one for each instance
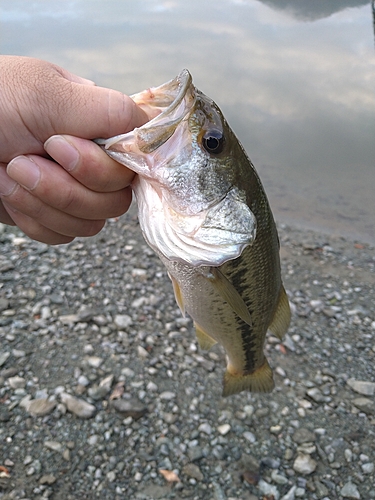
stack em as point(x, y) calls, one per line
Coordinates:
point(46, 112)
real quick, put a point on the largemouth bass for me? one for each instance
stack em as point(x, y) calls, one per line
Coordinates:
point(203, 210)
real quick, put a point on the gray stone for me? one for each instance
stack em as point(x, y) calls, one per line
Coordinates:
point(193, 471)
point(100, 391)
point(40, 407)
point(302, 435)
point(368, 468)
point(3, 357)
point(249, 436)
point(205, 428)
point(350, 490)
point(316, 394)
point(320, 489)
point(362, 387)
point(129, 408)
point(364, 404)
point(268, 489)
point(196, 453)
point(47, 479)
point(77, 406)
point(278, 478)
point(291, 494)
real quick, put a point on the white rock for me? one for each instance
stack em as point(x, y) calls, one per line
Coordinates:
point(348, 454)
point(123, 321)
point(139, 273)
point(78, 406)
point(167, 395)
point(54, 446)
point(18, 353)
point(304, 464)
point(16, 382)
point(151, 387)
point(82, 380)
point(93, 439)
point(224, 429)
point(306, 405)
point(94, 361)
point(142, 353)
point(138, 302)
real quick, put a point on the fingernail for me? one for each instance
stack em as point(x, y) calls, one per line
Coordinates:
point(62, 151)
point(7, 185)
point(24, 171)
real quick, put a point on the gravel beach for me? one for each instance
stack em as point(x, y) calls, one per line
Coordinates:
point(105, 394)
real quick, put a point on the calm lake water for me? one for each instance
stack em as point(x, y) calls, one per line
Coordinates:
point(294, 78)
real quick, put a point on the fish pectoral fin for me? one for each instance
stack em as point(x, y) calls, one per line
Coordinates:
point(205, 341)
point(260, 380)
point(178, 294)
point(281, 318)
point(225, 288)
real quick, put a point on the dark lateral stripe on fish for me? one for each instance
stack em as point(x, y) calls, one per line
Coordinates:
point(249, 347)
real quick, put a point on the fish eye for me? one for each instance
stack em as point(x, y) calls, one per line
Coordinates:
point(213, 141)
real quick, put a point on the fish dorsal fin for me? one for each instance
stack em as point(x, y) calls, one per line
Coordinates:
point(205, 341)
point(281, 318)
point(225, 288)
point(178, 294)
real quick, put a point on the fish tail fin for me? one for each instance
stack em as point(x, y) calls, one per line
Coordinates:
point(260, 380)
point(281, 318)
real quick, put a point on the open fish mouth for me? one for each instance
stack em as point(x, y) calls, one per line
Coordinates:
point(167, 105)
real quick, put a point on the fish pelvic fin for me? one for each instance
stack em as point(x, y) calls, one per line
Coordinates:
point(281, 318)
point(205, 341)
point(260, 380)
point(225, 288)
point(178, 294)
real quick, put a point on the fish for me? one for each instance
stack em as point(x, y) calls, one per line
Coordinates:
point(203, 210)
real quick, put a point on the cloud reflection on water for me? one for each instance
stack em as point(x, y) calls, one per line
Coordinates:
point(299, 95)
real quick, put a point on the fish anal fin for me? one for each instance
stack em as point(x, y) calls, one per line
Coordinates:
point(178, 294)
point(260, 380)
point(281, 318)
point(228, 292)
point(205, 341)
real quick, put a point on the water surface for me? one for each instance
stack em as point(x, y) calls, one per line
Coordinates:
point(294, 78)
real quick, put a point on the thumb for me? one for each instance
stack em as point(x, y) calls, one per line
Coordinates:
point(82, 109)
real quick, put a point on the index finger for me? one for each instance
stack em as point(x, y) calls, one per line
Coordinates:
point(88, 163)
